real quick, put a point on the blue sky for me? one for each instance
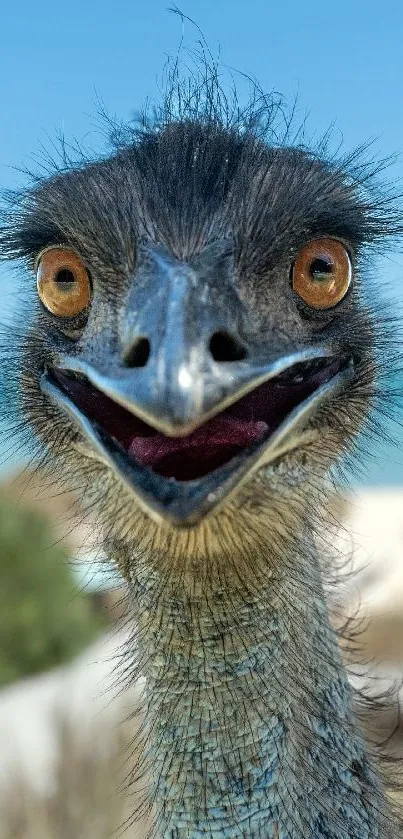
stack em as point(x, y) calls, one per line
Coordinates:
point(343, 60)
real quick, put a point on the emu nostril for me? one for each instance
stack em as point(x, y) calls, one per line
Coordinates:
point(138, 354)
point(224, 347)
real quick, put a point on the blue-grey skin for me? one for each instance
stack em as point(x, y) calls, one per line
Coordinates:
point(249, 724)
point(252, 730)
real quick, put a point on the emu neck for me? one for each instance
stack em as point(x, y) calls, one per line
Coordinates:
point(251, 731)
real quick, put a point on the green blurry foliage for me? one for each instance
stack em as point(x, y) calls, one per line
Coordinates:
point(44, 620)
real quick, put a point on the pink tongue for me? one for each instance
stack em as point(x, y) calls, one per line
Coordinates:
point(220, 434)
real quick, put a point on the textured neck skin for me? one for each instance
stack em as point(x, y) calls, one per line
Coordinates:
point(251, 731)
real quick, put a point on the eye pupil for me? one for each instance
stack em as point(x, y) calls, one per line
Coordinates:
point(320, 269)
point(65, 278)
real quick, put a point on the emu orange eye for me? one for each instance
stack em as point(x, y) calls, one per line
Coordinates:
point(63, 282)
point(322, 273)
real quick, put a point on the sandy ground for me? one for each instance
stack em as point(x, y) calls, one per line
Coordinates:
point(66, 751)
point(372, 536)
point(81, 694)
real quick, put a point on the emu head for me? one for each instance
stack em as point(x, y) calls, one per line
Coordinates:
point(200, 348)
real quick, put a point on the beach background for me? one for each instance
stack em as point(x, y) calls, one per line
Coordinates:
point(64, 744)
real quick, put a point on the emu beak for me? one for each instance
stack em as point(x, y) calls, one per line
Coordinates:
point(185, 419)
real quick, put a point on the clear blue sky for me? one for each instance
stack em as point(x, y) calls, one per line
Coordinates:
point(344, 60)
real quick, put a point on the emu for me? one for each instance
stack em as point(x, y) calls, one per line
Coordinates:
point(200, 350)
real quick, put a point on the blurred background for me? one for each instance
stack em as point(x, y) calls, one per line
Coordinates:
point(62, 739)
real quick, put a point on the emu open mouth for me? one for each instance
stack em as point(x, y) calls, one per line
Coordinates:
point(247, 422)
point(182, 478)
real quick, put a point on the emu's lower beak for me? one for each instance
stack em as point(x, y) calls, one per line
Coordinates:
point(188, 411)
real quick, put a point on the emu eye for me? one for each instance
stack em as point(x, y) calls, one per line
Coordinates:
point(63, 282)
point(322, 272)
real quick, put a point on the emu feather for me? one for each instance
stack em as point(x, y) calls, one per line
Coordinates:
point(189, 231)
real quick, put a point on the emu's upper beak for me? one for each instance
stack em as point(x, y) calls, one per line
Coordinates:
point(191, 406)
